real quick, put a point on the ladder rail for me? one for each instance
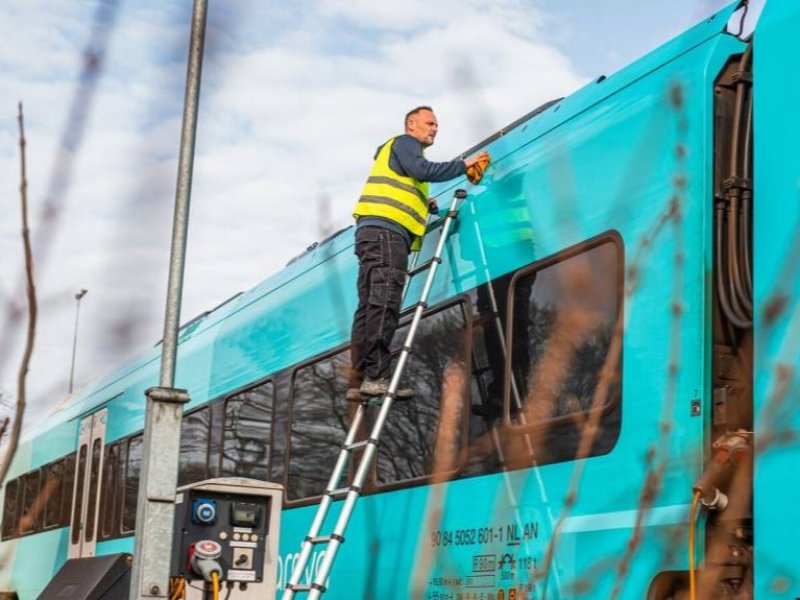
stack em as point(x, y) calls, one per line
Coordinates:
point(318, 587)
point(325, 503)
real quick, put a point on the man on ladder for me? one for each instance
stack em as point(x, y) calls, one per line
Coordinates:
point(391, 216)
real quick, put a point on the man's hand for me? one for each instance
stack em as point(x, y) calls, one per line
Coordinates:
point(433, 206)
point(476, 165)
point(480, 157)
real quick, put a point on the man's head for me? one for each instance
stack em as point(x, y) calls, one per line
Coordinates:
point(421, 124)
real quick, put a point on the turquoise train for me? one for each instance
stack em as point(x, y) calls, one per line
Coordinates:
point(606, 378)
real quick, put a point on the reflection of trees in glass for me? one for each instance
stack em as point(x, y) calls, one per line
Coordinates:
point(108, 500)
point(94, 482)
point(193, 465)
point(409, 437)
point(567, 333)
point(133, 468)
point(55, 483)
point(319, 424)
point(10, 508)
point(30, 491)
point(79, 479)
point(246, 434)
point(320, 415)
point(69, 485)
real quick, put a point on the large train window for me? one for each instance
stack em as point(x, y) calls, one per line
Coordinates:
point(10, 509)
point(133, 469)
point(564, 337)
point(193, 463)
point(319, 424)
point(246, 434)
point(425, 433)
point(559, 324)
point(563, 324)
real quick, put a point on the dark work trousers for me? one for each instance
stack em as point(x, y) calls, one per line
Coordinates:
point(382, 264)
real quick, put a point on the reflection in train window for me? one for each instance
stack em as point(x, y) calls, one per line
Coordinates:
point(10, 509)
point(108, 494)
point(32, 504)
point(193, 464)
point(133, 468)
point(319, 424)
point(246, 435)
point(80, 476)
point(562, 320)
point(412, 441)
point(54, 490)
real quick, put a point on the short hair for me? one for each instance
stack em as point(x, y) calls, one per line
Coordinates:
point(415, 111)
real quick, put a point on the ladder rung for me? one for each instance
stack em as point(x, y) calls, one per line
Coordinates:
point(342, 492)
point(424, 266)
point(302, 587)
point(324, 539)
point(361, 444)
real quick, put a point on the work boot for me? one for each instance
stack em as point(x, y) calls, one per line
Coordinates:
point(353, 394)
point(380, 387)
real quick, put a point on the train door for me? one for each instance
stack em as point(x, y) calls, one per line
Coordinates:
point(88, 483)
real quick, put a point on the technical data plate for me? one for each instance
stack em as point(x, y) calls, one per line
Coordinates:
point(236, 575)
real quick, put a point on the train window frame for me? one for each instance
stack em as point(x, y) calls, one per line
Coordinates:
point(209, 432)
point(465, 303)
point(224, 417)
point(293, 371)
point(377, 488)
point(616, 239)
point(47, 470)
point(36, 522)
point(109, 491)
point(127, 453)
point(10, 527)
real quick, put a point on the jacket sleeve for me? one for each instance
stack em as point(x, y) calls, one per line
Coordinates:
point(407, 154)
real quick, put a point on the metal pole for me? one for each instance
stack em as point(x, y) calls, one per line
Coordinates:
point(155, 509)
point(78, 298)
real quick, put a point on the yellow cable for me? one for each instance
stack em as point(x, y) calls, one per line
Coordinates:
point(692, 522)
point(177, 588)
point(215, 585)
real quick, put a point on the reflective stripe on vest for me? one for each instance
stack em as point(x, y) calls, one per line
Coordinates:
point(392, 196)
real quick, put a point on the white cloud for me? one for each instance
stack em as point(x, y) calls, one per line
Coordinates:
point(294, 103)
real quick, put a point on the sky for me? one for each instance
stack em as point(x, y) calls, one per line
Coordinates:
point(295, 98)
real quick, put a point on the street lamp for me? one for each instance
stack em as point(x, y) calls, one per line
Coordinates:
point(78, 297)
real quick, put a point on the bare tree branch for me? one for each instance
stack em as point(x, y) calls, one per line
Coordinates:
point(32, 310)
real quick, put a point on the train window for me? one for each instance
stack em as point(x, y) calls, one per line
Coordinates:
point(32, 505)
point(319, 423)
point(193, 465)
point(10, 509)
point(560, 344)
point(133, 468)
point(108, 494)
point(79, 479)
point(413, 444)
point(246, 435)
point(561, 324)
point(94, 482)
point(69, 486)
point(54, 490)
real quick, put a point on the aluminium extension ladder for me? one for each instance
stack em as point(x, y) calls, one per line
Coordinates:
point(352, 492)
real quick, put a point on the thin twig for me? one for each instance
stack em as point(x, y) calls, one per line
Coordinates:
point(32, 310)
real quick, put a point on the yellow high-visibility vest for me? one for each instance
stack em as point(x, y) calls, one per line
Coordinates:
point(392, 196)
